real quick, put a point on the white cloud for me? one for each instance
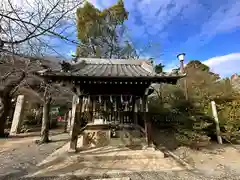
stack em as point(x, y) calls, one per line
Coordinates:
point(225, 19)
point(225, 65)
point(102, 4)
point(156, 15)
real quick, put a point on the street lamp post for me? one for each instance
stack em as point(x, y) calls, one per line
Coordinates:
point(181, 58)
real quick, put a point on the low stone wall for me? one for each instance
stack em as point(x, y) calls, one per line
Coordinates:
point(96, 135)
point(96, 138)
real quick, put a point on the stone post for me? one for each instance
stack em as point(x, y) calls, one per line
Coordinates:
point(215, 115)
point(18, 115)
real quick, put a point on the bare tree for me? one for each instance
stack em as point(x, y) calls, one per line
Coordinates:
point(28, 28)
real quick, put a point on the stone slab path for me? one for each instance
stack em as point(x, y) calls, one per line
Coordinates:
point(19, 155)
point(105, 161)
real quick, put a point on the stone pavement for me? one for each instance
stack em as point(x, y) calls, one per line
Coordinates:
point(105, 161)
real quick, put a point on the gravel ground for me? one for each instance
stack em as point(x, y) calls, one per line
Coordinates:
point(19, 159)
point(180, 175)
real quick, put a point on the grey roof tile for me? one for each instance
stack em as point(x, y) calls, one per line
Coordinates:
point(112, 68)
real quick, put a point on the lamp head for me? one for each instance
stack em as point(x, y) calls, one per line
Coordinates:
point(181, 56)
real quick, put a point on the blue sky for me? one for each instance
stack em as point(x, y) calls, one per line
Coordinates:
point(206, 30)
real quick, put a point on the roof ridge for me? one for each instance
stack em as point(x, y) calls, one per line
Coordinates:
point(112, 64)
point(112, 61)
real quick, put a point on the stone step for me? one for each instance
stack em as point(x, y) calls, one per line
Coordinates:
point(102, 153)
point(121, 178)
point(127, 141)
point(108, 167)
point(108, 160)
point(119, 155)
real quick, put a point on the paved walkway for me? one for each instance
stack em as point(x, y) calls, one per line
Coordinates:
point(106, 160)
point(19, 155)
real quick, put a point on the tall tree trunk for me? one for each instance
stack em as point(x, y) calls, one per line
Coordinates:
point(45, 122)
point(65, 121)
point(5, 105)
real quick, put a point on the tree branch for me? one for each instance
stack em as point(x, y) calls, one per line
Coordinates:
point(39, 27)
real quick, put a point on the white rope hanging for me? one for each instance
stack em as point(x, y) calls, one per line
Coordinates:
point(146, 106)
point(140, 104)
point(83, 104)
point(115, 105)
point(122, 99)
point(125, 103)
point(111, 99)
point(87, 103)
point(130, 100)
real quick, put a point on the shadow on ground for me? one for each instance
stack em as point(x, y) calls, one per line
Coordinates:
point(164, 139)
point(100, 152)
point(153, 175)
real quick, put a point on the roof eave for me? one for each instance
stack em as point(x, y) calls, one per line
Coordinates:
point(66, 75)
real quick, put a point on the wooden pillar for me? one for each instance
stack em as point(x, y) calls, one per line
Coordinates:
point(105, 111)
point(74, 123)
point(115, 110)
point(147, 122)
point(65, 122)
point(93, 109)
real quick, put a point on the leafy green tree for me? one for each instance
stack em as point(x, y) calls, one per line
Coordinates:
point(159, 68)
point(192, 119)
point(102, 32)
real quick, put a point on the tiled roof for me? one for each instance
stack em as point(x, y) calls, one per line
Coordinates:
point(112, 68)
point(105, 67)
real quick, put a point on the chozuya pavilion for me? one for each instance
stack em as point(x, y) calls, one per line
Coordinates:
point(110, 103)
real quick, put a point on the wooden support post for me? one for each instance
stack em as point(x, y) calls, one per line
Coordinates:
point(215, 116)
point(105, 111)
point(94, 109)
point(91, 109)
point(84, 101)
point(147, 122)
point(74, 125)
point(65, 122)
